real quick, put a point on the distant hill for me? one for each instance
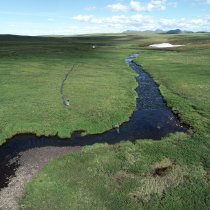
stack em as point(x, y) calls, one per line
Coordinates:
point(24, 38)
point(176, 31)
point(130, 31)
point(202, 32)
point(13, 37)
point(158, 31)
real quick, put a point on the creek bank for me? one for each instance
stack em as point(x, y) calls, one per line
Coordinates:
point(152, 119)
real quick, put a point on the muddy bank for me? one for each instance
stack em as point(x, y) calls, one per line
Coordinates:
point(27, 164)
point(152, 119)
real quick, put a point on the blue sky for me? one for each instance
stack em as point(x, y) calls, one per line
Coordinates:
point(66, 17)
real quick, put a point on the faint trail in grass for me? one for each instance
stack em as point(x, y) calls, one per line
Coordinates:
point(63, 84)
point(152, 119)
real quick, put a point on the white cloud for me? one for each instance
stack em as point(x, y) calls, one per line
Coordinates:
point(50, 19)
point(115, 23)
point(200, 21)
point(121, 19)
point(117, 19)
point(111, 24)
point(143, 22)
point(195, 24)
point(152, 5)
point(88, 19)
point(113, 20)
point(118, 7)
point(84, 18)
point(121, 22)
point(201, 2)
point(138, 6)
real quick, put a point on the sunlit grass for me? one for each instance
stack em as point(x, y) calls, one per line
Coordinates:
point(100, 89)
point(170, 174)
point(184, 77)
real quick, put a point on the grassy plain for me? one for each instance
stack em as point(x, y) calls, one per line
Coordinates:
point(100, 89)
point(170, 174)
point(183, 75)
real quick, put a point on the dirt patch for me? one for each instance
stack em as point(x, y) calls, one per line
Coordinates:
point(167, 176)
point(161, 171)
point(31, 161)
point(162, 168)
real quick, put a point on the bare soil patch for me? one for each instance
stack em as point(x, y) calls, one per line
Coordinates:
point(31, 161)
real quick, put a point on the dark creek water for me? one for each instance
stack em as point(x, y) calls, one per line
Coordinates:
point(152, 119)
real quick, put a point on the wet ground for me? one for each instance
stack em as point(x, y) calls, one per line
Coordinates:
point(29, 163)
point(152, 119)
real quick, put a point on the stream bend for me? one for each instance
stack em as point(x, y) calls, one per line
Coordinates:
point(152, 119)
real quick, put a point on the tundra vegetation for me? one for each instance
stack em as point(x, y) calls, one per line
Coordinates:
point(173, 173)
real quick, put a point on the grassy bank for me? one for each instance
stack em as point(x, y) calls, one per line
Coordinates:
point(170, 174)
point(183, 75)
point(100, 88)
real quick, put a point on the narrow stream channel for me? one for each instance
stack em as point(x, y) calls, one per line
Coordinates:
point(152, 119)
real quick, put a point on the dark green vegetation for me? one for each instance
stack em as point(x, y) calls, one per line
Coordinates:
point(170, 174)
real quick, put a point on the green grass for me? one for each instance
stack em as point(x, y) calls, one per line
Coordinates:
point(124, 177)
point(170, 174)
point(100, 89)
point(183, 75)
